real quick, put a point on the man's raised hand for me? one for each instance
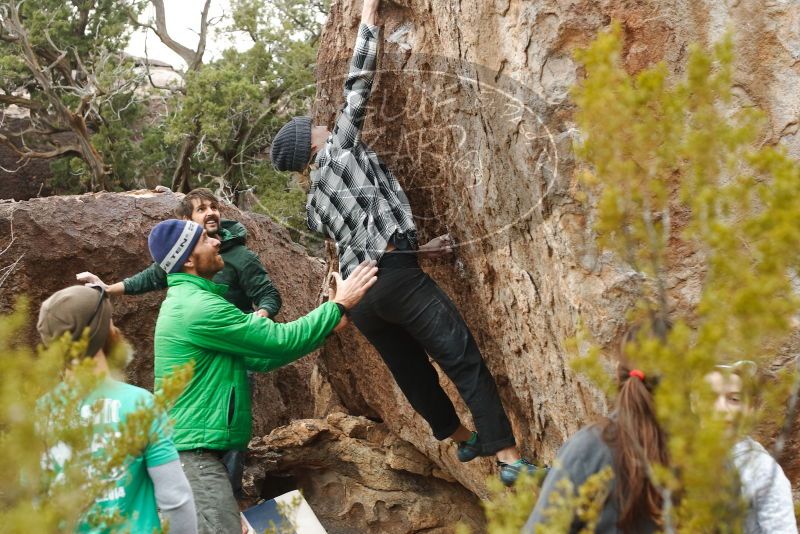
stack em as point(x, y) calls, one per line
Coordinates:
point(349, 292)
point(91, 279)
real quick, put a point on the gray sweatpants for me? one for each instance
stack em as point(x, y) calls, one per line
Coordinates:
point(217, 510)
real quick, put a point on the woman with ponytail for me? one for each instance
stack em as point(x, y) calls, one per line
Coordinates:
point(628, 442)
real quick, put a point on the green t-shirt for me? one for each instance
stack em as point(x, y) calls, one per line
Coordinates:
point(133, 495)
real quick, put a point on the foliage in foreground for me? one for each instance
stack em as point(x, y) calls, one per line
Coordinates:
point(666, 164)
point(33, 420)
point(671, 164)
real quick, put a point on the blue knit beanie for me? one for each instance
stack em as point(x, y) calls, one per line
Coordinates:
point(291, 148)
point(172, 241)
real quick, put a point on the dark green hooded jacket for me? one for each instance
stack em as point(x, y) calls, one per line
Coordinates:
point(247, 281)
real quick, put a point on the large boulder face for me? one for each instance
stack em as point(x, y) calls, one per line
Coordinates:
point(106, 233)
point(471, 111)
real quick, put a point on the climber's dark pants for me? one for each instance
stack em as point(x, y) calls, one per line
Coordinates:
point(406, 316)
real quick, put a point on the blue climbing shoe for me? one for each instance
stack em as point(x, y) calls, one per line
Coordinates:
point(510, 472)
point(468, 450)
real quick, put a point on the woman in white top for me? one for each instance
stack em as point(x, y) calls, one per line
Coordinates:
point(765, 487)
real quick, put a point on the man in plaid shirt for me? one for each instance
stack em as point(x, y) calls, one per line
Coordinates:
point(355, 200)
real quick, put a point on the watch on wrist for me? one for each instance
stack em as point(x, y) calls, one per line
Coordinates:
point(344, 311)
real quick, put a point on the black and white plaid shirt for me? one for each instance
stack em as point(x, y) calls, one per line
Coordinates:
point(354, 198)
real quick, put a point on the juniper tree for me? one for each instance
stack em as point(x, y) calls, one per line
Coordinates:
point(63, 64)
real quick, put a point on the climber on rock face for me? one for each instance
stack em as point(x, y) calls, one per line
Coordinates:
point(355, 200)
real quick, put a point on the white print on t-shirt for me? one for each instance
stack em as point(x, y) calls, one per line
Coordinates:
point(108, 413)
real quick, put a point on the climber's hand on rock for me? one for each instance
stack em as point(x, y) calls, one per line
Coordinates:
point(437, 247)
point(369, 12)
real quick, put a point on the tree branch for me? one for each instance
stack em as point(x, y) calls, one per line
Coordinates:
point(33, 154)
point(84, 149)
point(34, 129)
point(192, 57)
point(201, 44)
point(20, 101)
point(150, 76)
point(83, 17)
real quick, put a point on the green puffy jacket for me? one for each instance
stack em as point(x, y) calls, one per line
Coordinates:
point(197, 324)
point(248, 283)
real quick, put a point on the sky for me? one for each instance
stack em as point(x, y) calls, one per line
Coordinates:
point(183, 24)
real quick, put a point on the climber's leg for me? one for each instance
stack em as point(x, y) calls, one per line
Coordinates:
point(437, 325)
point(413, 372)
point(405, 314)
point(405, 357)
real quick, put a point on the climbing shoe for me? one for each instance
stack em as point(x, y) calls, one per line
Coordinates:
point(510, 472)
point(468, 450)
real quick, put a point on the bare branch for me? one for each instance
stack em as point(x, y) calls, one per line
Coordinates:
point(193, 58)
point(6, 271)
point(11, 234)
point(12, 171)
point(36, 130)
point(28, 154)
point(150, 76)
point(201, 45)
point(56, 62)
point(137, 23)
point(19, 101)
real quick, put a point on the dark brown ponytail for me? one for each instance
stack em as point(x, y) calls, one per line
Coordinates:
point(637, 441)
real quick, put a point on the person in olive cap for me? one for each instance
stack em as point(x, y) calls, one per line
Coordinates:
point(197, 324)
point(355, 200)
point(152, 480)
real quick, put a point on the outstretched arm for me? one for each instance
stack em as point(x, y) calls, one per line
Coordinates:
point(91, 279)
point(152, 278)
point(358, 85)
point(369, 12)
point(266, 345)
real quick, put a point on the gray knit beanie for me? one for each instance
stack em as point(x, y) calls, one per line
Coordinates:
point(291, 148)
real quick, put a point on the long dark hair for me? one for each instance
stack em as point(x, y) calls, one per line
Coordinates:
point(636, 441)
